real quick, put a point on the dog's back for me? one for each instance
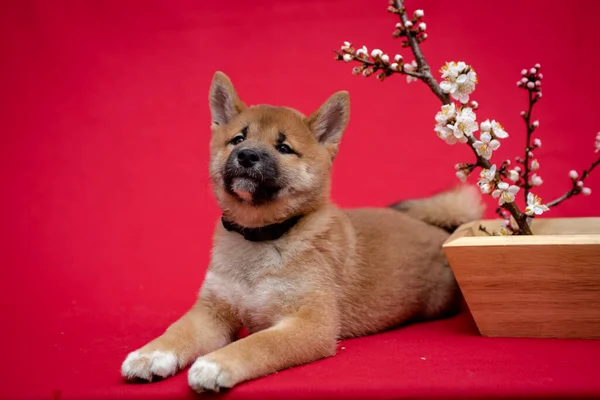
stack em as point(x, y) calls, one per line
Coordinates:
point(397, 271)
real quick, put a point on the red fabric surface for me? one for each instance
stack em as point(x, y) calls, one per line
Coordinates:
point(107, 215)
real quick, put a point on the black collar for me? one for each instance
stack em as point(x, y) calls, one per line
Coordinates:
point(264, 233)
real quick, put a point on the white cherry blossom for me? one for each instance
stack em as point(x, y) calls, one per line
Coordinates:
point(504, 229)
point(486, 145)
point(486, 177)
point(460, 80)
point(513, 175)
point(412, 67)
point(505, 193)
point(485, 126)
point(534, 205)
point(447, 135)
point(448, 113)
point(498, 130)
point(464, 125)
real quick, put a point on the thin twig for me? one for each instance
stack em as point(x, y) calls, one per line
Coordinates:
point(485, 230)
point(380, 66)
point(576, 189)
point(528, 147)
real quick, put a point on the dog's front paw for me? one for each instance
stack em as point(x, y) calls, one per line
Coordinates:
point(205, 375)
point(140, 365)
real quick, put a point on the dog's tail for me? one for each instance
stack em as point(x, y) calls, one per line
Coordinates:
point(447, 210)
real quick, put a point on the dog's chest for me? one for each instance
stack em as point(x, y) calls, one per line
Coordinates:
point(248, 276)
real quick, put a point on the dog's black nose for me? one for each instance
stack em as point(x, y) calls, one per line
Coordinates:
point(247, 157)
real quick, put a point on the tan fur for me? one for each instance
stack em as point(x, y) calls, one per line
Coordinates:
point(336, 274)
point(447, 210)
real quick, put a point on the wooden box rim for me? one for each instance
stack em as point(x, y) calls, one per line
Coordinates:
point(547, 231)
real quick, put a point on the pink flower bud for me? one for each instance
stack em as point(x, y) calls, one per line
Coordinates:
point(517, 168)
point(419, 13)
point(398, 58)
point(385, 58)
point(422, 26)
point(586, 191)
point(524, 80)
point(474, 105)
point(573, 174)
point(394, 66)
point(532, 71)
point(399, 25)
point(530, 85)
point(348, 57)
point(537, 142)
point(424, 36)
point(347, 44)
point(538, 83)
point(539, 95)
point(523, 113)
point(530, 154)
point(408, 24)
point(535, 123)
point(540, 76)
point(580, 184)
point(519, 84)
point(524, 72)
point(537, 66)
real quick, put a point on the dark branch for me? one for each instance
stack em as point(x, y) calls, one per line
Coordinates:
point(576, 189)
point(528, 146)
point(419, 58)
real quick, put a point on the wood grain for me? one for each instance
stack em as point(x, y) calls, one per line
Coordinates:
point(546, 285)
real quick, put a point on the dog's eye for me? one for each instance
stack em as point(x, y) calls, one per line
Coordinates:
point(237, 139)
point(284, 149)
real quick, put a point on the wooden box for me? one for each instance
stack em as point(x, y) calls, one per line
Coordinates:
point(546, 285)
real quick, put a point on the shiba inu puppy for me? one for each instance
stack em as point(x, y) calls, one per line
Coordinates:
point(298, 272)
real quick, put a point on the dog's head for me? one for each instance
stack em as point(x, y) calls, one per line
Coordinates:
point(270, 163)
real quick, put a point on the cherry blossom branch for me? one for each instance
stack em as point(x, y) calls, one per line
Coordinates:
point(379, 62)
point(425, 70)
point(511, 207)
point(422, 65)
point(578, 187)
point(531, 81)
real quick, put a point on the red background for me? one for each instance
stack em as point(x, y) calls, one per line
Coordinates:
point(106, 210)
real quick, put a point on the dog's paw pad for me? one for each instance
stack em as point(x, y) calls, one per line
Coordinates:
point(206, 375)
point(145, 366)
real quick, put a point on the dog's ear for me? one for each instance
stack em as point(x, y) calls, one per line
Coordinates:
point(330, 120)
point(224, 101)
